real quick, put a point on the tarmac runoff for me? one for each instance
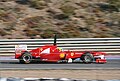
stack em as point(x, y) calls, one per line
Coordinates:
point(113, 62)
point(12, 58)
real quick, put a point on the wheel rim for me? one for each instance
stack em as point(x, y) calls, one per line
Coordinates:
point(26, 58)
point(87, 58)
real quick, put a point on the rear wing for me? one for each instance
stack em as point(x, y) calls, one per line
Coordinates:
point(20, 48)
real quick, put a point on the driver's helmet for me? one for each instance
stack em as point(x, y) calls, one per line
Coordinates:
point(60, 49)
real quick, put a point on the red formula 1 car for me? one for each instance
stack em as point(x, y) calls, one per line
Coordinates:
point(52, 53)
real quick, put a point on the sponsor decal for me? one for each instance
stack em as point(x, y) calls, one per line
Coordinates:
point(62, 55)
point(19, 48)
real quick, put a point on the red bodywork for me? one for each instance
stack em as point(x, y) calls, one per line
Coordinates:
point(51, 53)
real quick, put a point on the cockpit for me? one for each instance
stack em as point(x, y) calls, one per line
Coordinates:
point(51, 49)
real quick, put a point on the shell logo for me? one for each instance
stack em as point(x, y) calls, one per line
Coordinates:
point(62, 55)
point(72, 54)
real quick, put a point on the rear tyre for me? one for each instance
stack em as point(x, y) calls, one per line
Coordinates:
point(26, 58)
point(87, 58)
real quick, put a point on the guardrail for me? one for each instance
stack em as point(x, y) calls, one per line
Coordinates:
point(108, 45)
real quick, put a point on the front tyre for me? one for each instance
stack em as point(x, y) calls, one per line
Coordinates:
point(87, 58)
point(26, 58)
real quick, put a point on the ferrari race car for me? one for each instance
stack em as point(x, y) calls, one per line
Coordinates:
point(52, 53)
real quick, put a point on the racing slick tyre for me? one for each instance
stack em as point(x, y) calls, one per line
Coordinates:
point(87, 58)
point(26, 58)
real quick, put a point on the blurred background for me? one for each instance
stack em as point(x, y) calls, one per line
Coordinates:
point(40, 19)
point(27, 19)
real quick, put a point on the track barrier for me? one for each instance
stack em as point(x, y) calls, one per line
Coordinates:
point(108, 45)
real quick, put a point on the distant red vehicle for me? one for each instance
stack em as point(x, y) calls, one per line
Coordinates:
point(52, 53)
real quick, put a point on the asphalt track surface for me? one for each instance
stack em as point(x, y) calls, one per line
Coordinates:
point(112, 63)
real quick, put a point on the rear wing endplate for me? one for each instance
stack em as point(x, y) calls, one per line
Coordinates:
point(20, 48)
